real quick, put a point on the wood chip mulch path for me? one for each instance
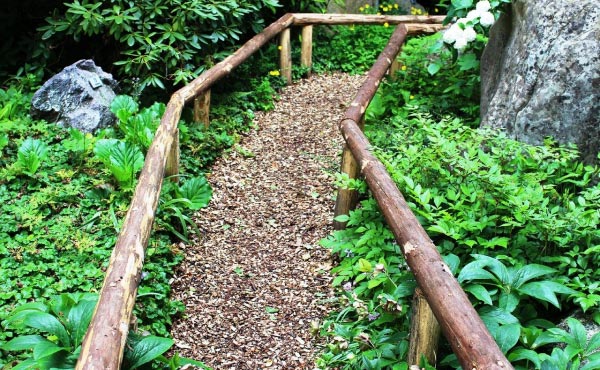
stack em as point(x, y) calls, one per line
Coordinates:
point(256, 279)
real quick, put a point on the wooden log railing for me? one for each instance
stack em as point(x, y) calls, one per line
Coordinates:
point(105, 340)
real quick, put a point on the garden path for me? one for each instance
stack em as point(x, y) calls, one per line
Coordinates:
point(256, 281)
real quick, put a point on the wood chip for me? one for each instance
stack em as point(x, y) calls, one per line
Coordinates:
point(261, 232)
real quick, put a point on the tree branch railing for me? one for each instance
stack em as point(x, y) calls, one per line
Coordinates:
point(105, 340)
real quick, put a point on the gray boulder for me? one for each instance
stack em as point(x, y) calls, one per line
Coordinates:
point(540, 74)
point(79, 96)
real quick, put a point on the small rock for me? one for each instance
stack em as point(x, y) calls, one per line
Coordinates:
point(79, 97)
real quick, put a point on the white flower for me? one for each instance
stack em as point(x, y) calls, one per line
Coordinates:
point(452, 33)
point(487, 19)
point(473, 14)
point(469, 34)
point(461, 43)
point(483, 6)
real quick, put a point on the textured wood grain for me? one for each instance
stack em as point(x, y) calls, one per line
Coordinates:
point(302, 19)
point(285, 55)
point(202, 108)
point(424, 331)
point(306, 51)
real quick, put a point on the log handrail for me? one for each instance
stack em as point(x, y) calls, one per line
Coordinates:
point(464, 329)
point(105, 339)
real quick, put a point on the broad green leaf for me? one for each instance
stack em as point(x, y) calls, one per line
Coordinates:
point(494, 266)
point(123, 159)
point(545, 291)
point(22, 342)
point(79, 318)
point(47, 323)
point(468, 61)
point(342, 218)
point(123, 107)
point(374, 283)
point(529, 272)
point(578, 332)
point(525, 354)
point(364, 265)
point(479, 292)
point(29, 364)
point(453, 262)
point(491, 315)
point(30, 156)
point(433, 68)
point(197, 191)
point(593, 362)
point(593, 344)
point(546, 337)
point(507, 336)
point(475, 271)
point(144, 349)
point(46, 348)
point(462, 4)
point(508, 301)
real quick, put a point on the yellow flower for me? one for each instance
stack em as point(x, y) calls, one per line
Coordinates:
point(411, 97)
point(367, 6)
point(386, 24)
point(436, 10)
point(279, 47)
point(403, 68)
point(396, 6)
point(274, 73)
point(385, 9)
point(361, 9)
point(378, 13)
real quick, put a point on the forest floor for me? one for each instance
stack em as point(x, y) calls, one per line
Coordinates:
point(256, 281)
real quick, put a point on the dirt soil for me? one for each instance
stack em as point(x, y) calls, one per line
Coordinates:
point(256, 280)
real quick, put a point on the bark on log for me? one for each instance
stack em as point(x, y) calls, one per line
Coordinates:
point(303, 19)
point(202, 108)
point(468, 336)
point(103, 345)
point(223, 68)
point(424, 331)
point(306, 51)
point(285, 56)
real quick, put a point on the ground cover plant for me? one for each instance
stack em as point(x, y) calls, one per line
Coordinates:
point(64, 194)
point(517, 224)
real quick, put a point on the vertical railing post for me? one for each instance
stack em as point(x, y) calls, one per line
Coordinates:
point(202, 108)
point(347, 199)
point(425, 331)
point(394, 68)
point(172, 165)
point(306, 52)
point(285, 55)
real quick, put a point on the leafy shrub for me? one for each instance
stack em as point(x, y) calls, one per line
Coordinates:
point(64, 321)
point(161, 42)
point(351, 49)
point(532, 210)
